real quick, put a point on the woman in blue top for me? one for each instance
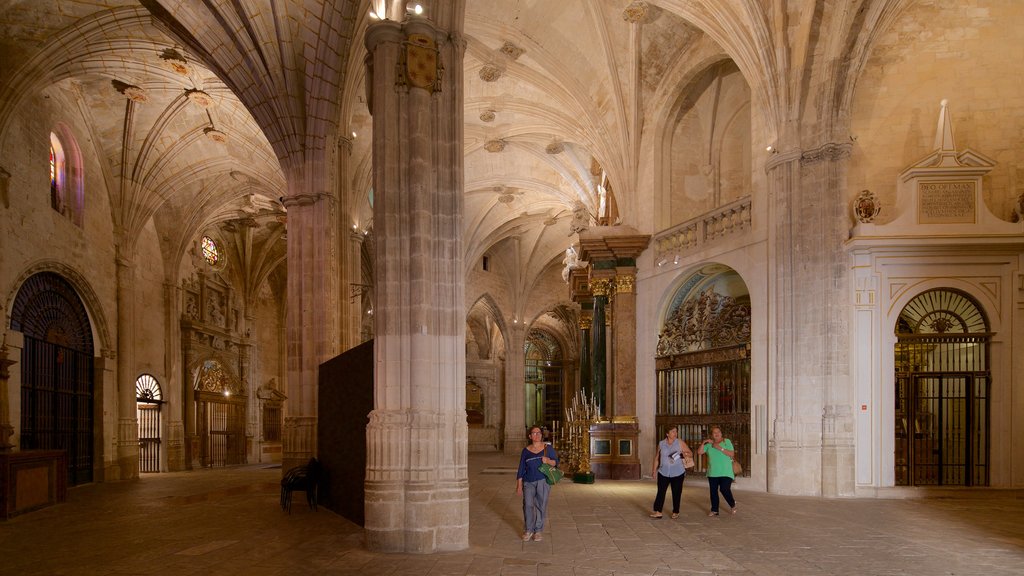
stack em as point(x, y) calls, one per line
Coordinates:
point(670, 468)
point(720, 476)
point(532, 485)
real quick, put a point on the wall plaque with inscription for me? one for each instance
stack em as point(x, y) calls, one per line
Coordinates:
point(949, 202)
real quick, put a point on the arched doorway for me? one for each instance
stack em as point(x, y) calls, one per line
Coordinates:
point(56, 371)
point(544, 379)
point(703, 361)
point(942, 391)
point(149, 399)
point(220, 401)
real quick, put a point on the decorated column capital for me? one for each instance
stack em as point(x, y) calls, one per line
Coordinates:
point(600, 286)
point(625, 284)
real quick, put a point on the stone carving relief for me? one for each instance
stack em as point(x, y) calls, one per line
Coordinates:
point(487, 115)
point(511, 50)
point(635, 12)
point(866, 206)
point(580, 219)
point(494, 146)
point(490, 73)
point(555, 148)
point(709, 321)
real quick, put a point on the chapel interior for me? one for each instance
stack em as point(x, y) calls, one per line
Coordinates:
point(800, 220)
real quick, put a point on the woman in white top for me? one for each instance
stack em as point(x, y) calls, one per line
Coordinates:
point(670, 469)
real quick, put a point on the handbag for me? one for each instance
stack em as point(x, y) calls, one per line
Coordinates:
point(688, 462)
point(551, 474)
point(737, 468)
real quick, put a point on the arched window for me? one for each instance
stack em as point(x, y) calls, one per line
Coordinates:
point(57, 183)
point(210, 251)
point(67, 195)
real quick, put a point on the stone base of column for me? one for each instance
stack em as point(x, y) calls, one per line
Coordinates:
point(613, 449)
point(175, 446)
point(411, 504)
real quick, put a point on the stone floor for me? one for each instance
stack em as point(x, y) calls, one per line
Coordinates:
point(228, 521)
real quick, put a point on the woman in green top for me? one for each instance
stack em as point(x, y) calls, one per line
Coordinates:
point(720, 476)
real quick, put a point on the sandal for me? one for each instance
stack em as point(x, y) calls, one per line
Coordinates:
point(675, 515)
point(527, 536)
point(712, 514)
point(734, 508)
point(656, 515)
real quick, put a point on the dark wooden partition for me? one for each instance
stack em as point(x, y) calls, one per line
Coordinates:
point(345, 402)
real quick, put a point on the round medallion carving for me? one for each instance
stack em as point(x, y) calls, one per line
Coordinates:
point(866, 207)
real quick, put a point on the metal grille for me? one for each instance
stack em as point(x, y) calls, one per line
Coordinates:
point(942, 410)
point(149, 437)
point(272, 423)
point(57, 404)
point(222, 425)
point(700, 389)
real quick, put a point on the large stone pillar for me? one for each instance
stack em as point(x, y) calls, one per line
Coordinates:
point(127, 419)
point(515, 389)
point(811, 444)
point(416, 484)
point(174, 432)
point(311, 315)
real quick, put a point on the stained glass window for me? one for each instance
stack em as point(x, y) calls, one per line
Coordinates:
point(210, 251)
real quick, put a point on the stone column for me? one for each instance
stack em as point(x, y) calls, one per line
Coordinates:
point(127, 419)
point(586, 323)
point(311, 317)
point(6, 430)
point(515, 391)
point(416, 482)
point(811, 444)
point(173, 411)
point(624, 343)
point(599, 287)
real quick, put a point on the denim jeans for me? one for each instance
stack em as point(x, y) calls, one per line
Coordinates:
point(535, 504)
point(677, 492)
point(723, 483)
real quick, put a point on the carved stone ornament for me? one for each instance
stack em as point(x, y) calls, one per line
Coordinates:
point(490, 73)
point(710, 320)
point(175, 62)
point(506, 198)
point(136, 94)
point(511, 50)
point(494, 146)
point(199, 98)
point(215, 135)
point(635, 12)
point(866, 207)
point(487, 116)
point(555, 148)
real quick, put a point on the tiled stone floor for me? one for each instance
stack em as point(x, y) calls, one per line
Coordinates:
point(228, 521)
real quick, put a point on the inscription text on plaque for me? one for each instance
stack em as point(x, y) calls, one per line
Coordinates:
point(951, 202)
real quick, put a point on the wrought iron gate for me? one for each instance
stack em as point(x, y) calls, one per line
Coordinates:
point(149, 400)
point(942, 391)
point(701, 389)
point(56, 371)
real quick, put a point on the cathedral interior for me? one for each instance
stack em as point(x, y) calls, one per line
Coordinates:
point(800, 220)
